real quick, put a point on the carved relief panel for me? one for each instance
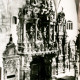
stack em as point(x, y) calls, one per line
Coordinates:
point(11, 68)
point(11, 62)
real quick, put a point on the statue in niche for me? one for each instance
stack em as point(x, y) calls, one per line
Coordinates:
point(31, 33)
point(46, 40)
point(39, 35)
point(45, 33)
point(51, 16)
point(28, 15)
point(51, 35)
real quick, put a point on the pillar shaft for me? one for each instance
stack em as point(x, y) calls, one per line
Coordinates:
point(27, 68)
point(25, 39)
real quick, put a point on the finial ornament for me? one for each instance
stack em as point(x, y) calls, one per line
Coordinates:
point(10, 39)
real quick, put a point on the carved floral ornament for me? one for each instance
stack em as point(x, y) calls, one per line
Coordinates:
point(41, 53)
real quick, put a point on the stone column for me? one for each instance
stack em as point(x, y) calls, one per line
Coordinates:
point(25, 38)
point(54, 32)
point(21, 71)
point(36, 28)
point(27, 68)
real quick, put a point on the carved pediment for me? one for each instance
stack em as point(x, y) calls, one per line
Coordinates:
point(10, 48)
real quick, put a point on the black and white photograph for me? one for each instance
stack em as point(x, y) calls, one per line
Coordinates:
point(39, 39)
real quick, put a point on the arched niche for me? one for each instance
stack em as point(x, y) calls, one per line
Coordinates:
point(14, 20)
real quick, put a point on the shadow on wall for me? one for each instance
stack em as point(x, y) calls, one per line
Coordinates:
point(77, 5)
